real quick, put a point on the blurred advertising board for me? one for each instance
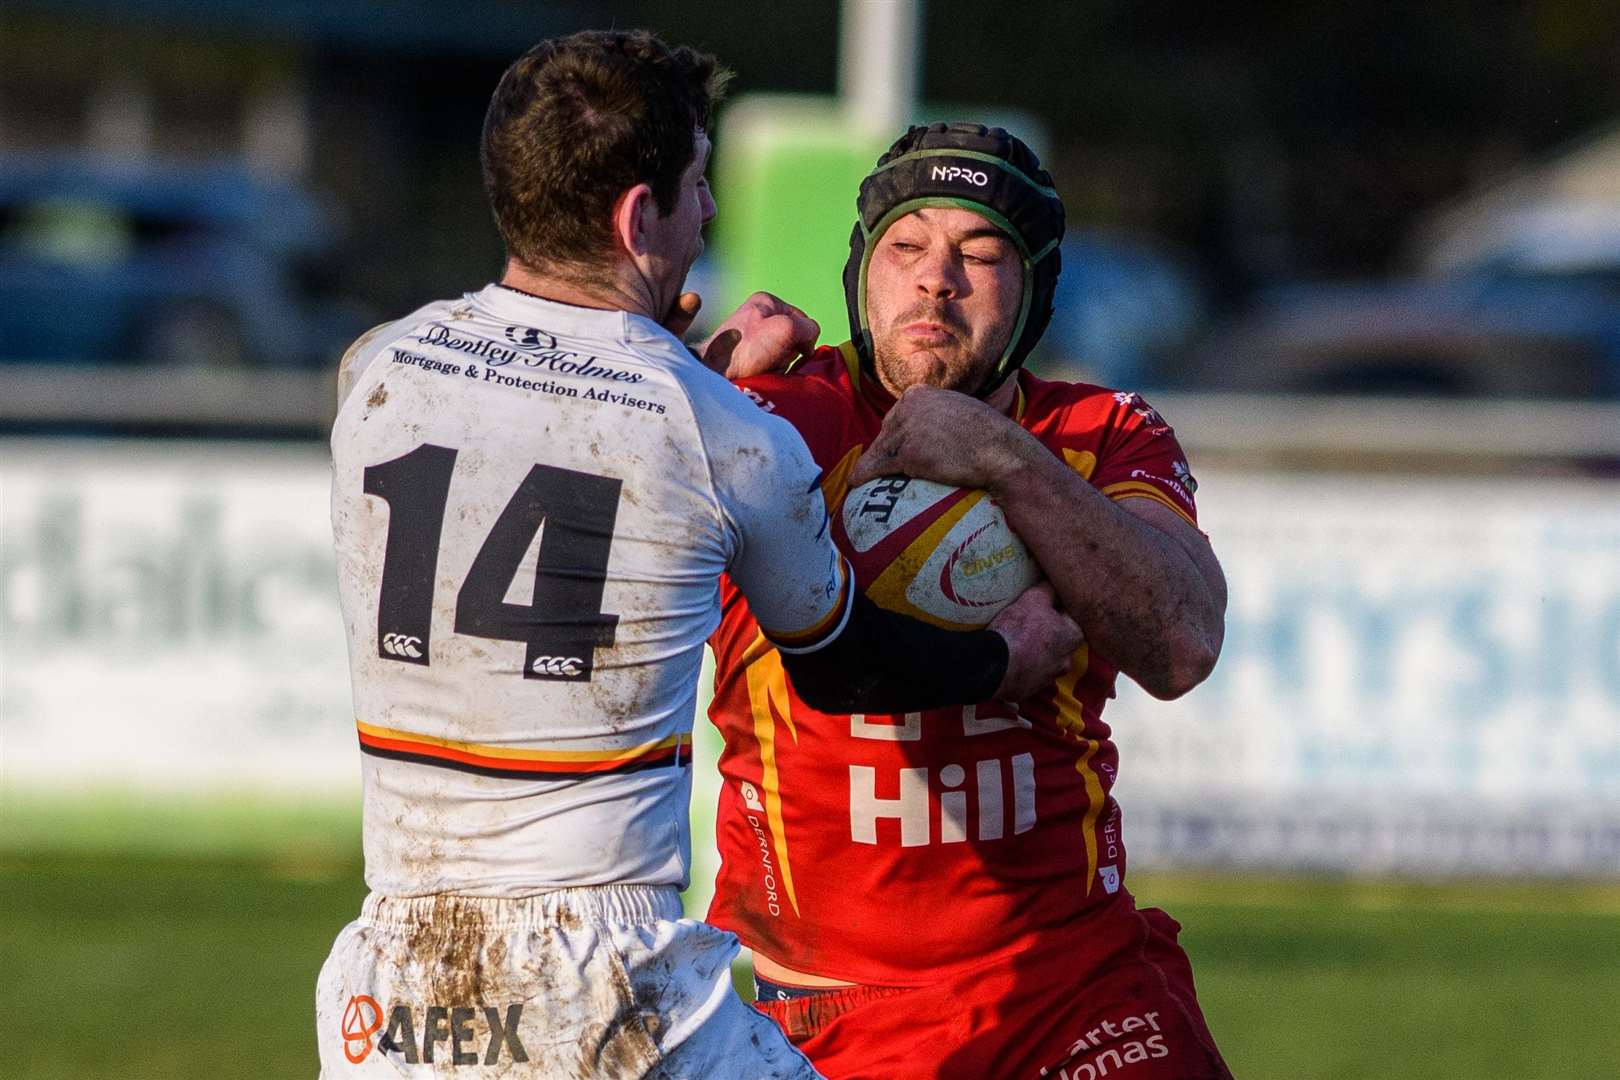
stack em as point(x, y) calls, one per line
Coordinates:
point(1420, 673)
point(168, 620)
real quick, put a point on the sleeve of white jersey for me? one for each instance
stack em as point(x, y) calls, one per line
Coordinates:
point(782, 555)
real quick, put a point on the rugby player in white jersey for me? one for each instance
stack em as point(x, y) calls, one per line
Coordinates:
point(536, 488)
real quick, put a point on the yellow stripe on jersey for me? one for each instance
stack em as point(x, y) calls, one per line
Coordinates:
point(835, 482)
point(1135, 489)
point(623, 753)
point(1083, 462)
point(1094, 800)
point(768, 698)
point(852, 362)
point(1072, 722)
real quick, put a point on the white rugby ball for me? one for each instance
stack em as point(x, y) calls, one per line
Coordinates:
point(942, 554)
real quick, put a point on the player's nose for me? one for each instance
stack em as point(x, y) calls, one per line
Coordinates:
point(938, 275)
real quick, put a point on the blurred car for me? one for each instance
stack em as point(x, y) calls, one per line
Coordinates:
point(165, 264)
point(1480, 335)
point(1546, 240)
point(1122, 303)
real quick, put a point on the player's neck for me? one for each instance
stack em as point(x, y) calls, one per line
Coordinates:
point(607, 295)
point(1003, 397)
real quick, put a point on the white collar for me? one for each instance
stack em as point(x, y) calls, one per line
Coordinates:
point(569, 320)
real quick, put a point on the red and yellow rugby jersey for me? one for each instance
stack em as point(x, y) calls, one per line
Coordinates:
point(888, 849)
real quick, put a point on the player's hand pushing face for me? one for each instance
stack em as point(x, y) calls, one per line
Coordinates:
point(1041, 642)
point(947, 437)
point(764, 334)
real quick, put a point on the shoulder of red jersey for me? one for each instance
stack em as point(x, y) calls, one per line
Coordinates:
point(1085, 405)
point(821, 376)
point(815, 397)
point(1114, 438)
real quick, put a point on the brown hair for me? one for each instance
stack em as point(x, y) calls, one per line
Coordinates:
point(576, 121)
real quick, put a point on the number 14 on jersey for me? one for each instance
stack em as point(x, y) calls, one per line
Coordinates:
point(561, 627)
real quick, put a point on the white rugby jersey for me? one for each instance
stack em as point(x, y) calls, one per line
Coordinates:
point(532, 505)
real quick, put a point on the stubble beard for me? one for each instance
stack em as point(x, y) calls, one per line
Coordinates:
point(952, 371)
point(898, 373)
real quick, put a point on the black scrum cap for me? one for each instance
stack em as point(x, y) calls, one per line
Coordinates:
point(971, 167)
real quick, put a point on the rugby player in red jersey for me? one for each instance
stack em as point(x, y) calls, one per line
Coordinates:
point(943, 893)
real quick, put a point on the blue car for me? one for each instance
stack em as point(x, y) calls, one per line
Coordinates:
point(1471, 335)
point(144, 263)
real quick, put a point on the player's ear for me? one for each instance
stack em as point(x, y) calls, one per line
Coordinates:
point(630, 218)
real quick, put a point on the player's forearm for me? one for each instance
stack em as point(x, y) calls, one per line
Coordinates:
point(1135, 591)
point(887, 663)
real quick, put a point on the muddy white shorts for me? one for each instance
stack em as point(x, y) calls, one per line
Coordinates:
point(608, 981)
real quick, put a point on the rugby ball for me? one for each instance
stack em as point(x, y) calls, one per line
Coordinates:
point(942, 554)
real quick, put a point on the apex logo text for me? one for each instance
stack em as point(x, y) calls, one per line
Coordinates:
point(362, 1018)
point(473, 1036)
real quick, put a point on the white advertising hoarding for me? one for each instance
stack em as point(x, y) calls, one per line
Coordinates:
point(168, 620)
point(1419, 673)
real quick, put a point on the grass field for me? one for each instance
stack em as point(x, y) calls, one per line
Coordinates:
point(201, 965)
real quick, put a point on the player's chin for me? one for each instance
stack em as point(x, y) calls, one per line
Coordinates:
point(938, 368)
point(962, 378)
point(689, 262)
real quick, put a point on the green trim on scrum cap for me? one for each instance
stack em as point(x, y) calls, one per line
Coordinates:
point(1051, 246)
point(991, 215)
point(976, 155)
